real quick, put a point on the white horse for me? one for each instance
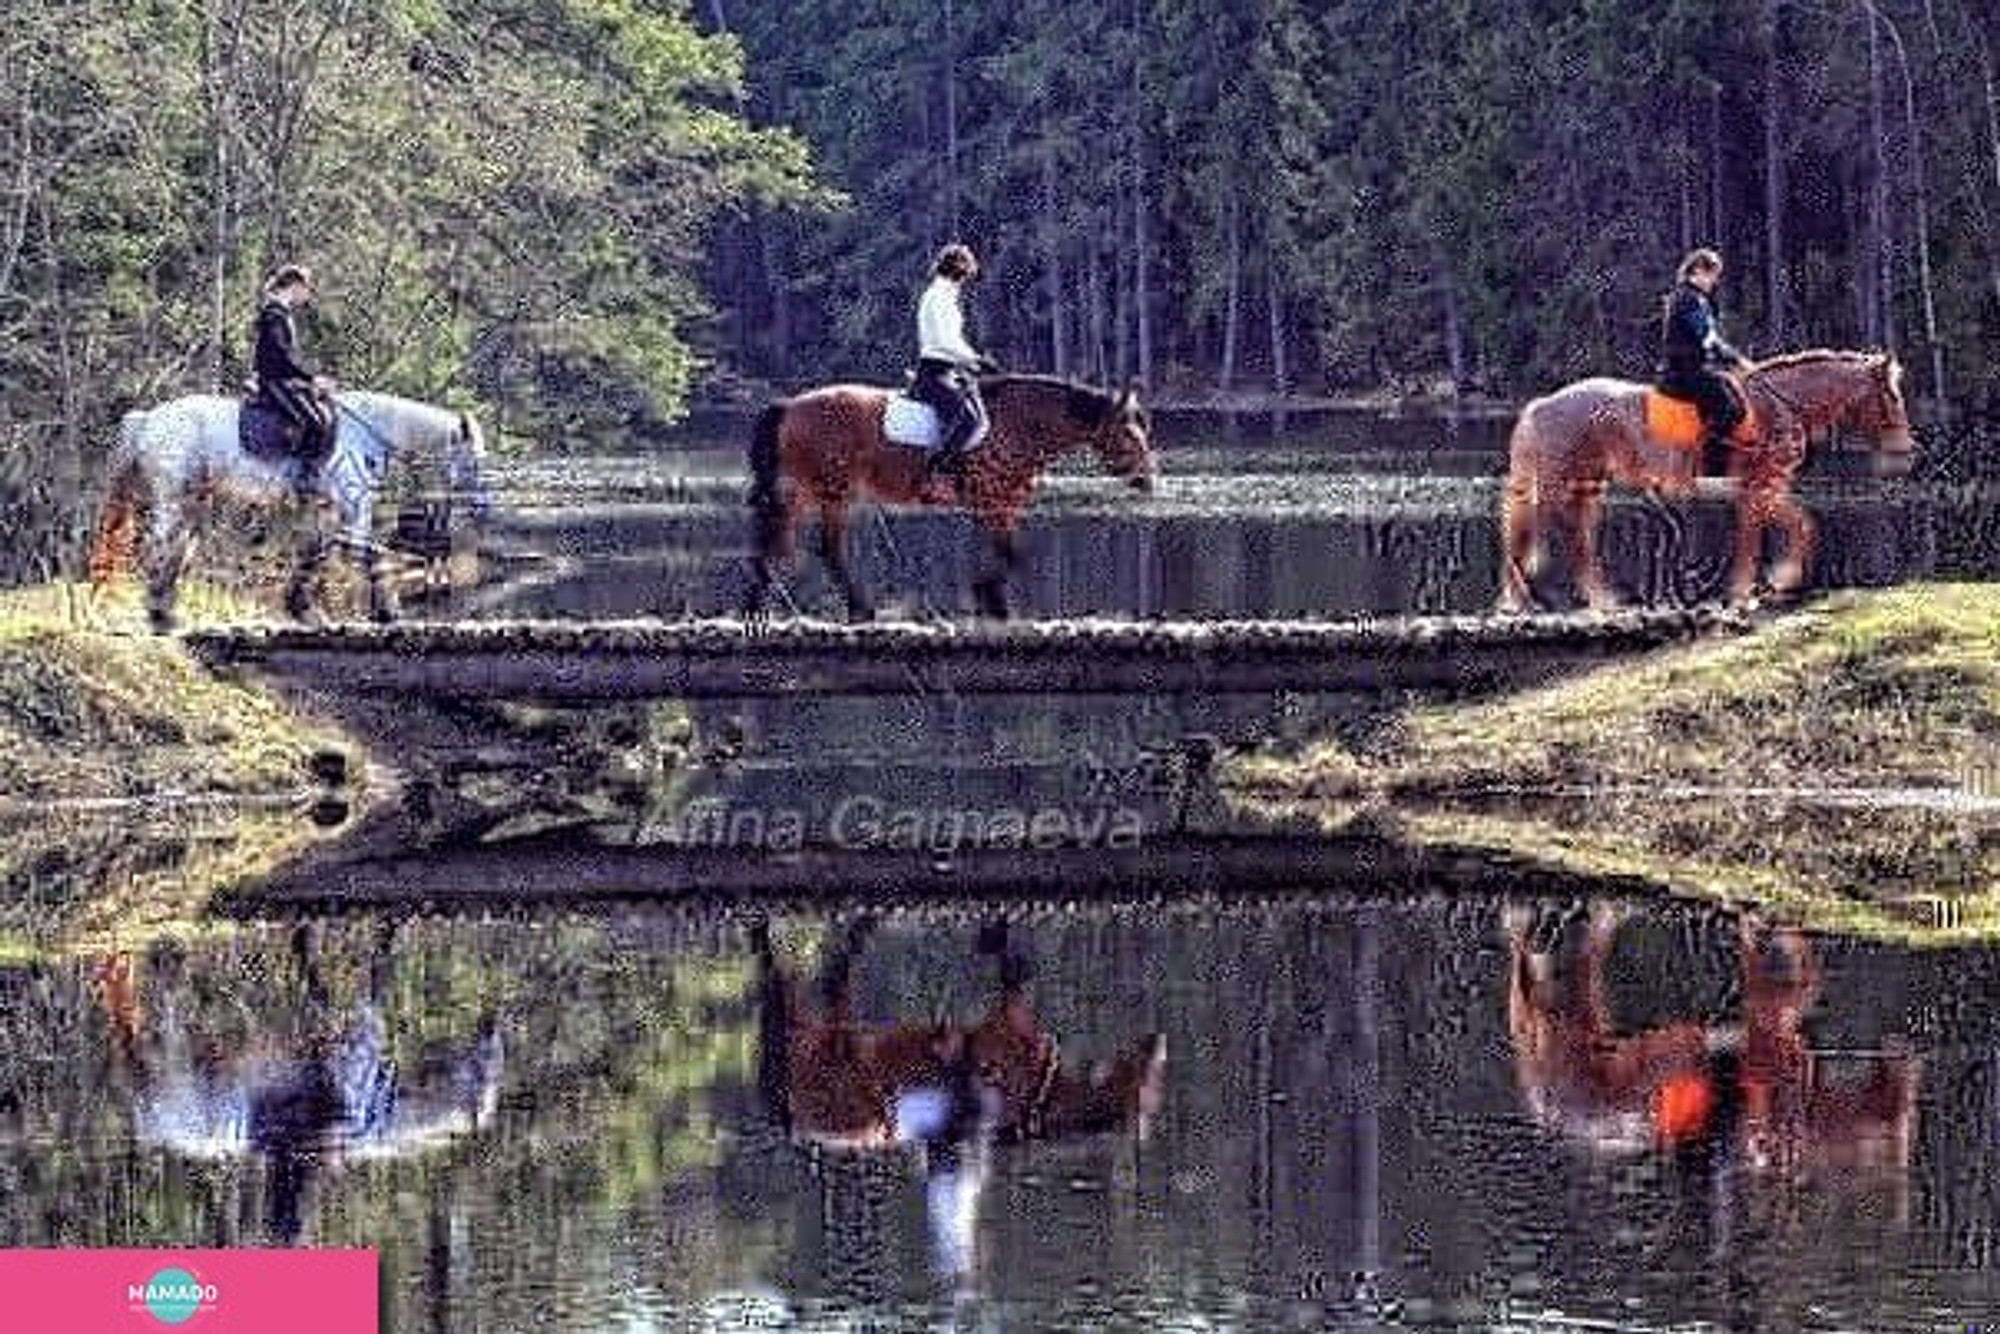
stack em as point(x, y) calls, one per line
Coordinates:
point(171, 460)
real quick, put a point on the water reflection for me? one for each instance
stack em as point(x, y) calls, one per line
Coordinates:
point(952, 1091)
point(298, 1099)
point(1748, 1092)
point(1342, 1137)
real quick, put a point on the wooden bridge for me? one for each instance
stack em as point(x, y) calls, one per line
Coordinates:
point(592, 662)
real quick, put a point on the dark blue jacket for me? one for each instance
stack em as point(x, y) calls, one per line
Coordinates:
point(1690, 336)
point(277, 356)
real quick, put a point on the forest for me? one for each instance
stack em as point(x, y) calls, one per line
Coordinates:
point(585, 216)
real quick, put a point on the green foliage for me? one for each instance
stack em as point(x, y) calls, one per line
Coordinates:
point(508, 202)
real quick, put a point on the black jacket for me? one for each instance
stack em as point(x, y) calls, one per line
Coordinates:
point(277, 356)
point(1690, 337)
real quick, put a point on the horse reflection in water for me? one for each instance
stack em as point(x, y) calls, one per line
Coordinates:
point(954, 1092)
point(1750, 1093)
point(330, 1095)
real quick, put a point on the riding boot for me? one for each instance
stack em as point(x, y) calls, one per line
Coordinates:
point(1715, 449)
point(949, 460)
point(315, 445)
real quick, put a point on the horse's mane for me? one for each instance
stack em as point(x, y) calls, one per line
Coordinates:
point(1815, 355)
point(1082, 404)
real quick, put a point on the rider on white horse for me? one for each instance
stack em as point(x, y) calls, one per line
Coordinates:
point(286, 383)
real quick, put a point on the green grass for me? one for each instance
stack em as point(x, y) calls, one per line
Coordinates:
point(1871, 690)
point(91, 706)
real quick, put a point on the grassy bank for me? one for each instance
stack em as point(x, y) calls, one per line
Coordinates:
point(131, 782)
point(1840, 765)
point(91, 707)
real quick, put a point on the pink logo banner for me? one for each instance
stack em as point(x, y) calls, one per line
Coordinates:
point(203, 1292)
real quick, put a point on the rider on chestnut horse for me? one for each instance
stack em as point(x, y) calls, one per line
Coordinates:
point(1691, 349)
point(948, 366)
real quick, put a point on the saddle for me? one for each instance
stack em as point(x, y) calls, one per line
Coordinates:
point(912, 422)
point(1675, 421)
point(265, 432)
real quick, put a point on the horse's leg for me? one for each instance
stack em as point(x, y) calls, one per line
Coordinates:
point(381, 607)
point(1799, 534)
point(1592, 1004)
point(313, 550)
point(990, 591)
point(833, 546)
point(1753, 506)
point(168, 541)
point(777, 1006)
point(1587, 512)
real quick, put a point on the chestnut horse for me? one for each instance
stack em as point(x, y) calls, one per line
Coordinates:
point(1567, 447)
point(832, 1081)
point(1755, 1083)
point(832, 444)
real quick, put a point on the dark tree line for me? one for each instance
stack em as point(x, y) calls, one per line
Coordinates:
point(1300, 195)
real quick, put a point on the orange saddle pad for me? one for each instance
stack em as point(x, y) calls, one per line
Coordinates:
point(1677, 421)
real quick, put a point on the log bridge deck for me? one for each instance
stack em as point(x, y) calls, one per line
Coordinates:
point(596, 662)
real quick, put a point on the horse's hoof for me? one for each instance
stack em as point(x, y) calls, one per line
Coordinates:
point(162, 621)
point(860, 614)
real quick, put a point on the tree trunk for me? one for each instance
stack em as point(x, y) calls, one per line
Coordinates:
point(951, 121)
point(1232, 305)
point(1142, 208)
point(1920, 190)
point(218, 84)
point(1716, 214)
point(1053, 270)
point(1881, 303)
point(1454, 328)
point(1775, 296)
point(1094, 293)
point(1281, 370)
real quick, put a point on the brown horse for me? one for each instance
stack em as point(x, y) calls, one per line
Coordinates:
point(1567, 447)
point(832, 444)
point(832, 1081)
point(1756, 1082)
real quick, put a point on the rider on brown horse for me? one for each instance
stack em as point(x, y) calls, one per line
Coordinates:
point(1691, 349)
point(283, 381)
point(948, 366)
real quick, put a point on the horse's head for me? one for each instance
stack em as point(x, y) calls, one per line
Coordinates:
point(1124, 440)
point(1039, 1099)
point(1885, 414)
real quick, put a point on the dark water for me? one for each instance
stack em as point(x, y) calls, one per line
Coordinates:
point(1342, 1142)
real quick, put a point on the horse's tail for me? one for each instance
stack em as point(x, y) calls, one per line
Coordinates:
point(1519, 517)
point(118, 517)
point(767, 501)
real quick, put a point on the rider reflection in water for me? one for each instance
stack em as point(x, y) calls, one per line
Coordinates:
point(336, 1094)
point(952, 1091)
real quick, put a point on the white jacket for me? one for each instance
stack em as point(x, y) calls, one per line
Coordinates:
point(941, 326)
